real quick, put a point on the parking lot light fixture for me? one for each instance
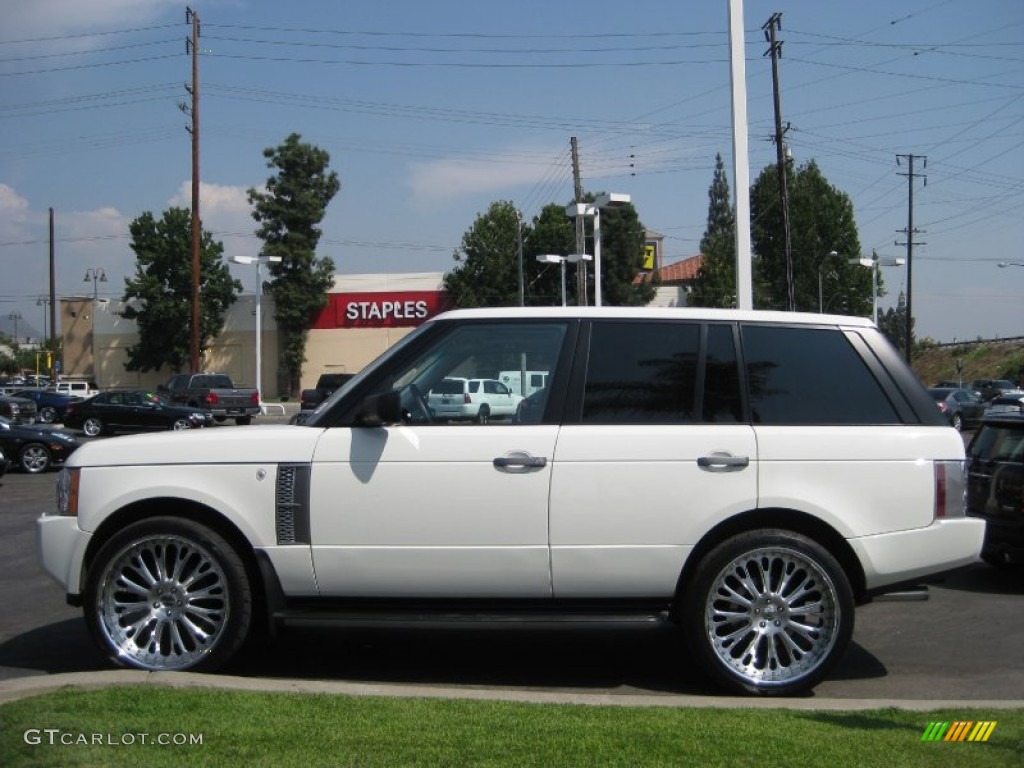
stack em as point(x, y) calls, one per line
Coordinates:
point(821, 263)
point(551, 258)
point(259, 261)
point(873, 264)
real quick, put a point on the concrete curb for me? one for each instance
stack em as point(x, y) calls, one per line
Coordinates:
point(26, 687)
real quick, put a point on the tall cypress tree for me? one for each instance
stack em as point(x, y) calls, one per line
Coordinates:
point(716, 279)
point(289, 211)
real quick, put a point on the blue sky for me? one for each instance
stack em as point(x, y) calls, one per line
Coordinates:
point(431, 111)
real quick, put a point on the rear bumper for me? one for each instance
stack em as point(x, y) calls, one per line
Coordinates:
point(905, 556)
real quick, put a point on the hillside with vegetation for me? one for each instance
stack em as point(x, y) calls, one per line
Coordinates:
point(980, 360)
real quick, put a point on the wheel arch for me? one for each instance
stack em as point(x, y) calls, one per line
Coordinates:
point(189, 510)
point(784, 519)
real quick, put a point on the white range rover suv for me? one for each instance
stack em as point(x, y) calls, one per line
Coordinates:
point(747, 476)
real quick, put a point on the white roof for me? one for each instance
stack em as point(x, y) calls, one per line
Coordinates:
point(648, 313)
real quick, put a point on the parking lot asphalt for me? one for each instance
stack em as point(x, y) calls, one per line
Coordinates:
point(961, 648)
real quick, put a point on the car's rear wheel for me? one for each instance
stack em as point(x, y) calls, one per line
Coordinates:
point(168, 594)
point(92, 426)
point(958, 422)
point(34, 458)
point(484, 415)
point(768, 612)
point(181, 423)
point(48, 414)
point(243, 421)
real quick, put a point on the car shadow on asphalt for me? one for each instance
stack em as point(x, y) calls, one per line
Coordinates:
point(593, 661)
point(984, 578)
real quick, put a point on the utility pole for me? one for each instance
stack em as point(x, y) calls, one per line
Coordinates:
point(52, 346)
point(775, 51)
point(581, 241)
point(193, 47)
point(910, 232)
point(519, 257)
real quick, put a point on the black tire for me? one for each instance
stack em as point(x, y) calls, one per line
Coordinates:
point(181, 423)
point(195, 617)
point(34, 458)
point(484, 416)
point(243, 421)
point(47, 414)
point(767, 613)
point(93, 426)
point(220, 419)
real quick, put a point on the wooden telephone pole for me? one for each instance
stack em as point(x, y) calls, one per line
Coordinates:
point(192, 46)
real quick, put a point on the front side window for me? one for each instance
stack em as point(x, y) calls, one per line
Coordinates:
point(456, 379)
point(810, 376)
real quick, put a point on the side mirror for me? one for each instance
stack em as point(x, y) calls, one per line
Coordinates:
point(380, 410)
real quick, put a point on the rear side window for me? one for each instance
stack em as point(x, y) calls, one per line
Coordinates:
point(810, 376)
point(641, 373)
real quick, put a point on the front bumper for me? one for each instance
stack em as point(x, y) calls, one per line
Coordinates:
point(61, 545)
point(905, 556)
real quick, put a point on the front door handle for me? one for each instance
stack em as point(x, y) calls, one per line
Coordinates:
point(722, 461)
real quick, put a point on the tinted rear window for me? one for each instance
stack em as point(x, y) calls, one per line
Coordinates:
point(449, 387)
point(810, 376)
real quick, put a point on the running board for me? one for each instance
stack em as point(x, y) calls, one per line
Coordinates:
point(448, 620)
point(913, 595)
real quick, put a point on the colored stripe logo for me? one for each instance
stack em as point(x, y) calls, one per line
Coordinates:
point(959, 730)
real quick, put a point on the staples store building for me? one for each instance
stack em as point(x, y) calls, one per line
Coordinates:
point(365, 315)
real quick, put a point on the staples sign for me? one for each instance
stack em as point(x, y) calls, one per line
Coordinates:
point(380, 309)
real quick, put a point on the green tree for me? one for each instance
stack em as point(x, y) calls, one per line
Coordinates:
point(293, 204)
point(622, 258)
point(488, 271)
point(551, 232)
point(821, 221)
point(893, 323)
point(159, 297)
point(716, 279)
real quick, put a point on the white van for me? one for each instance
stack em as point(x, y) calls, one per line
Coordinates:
point(535, 380)
point(77, 388)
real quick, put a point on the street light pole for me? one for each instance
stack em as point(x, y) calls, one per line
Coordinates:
point(259, 261)
point(96, 274)
point(605, 200)
point(873, 264)
point(16, 317)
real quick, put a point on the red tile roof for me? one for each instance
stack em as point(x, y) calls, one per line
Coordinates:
point(677, 273)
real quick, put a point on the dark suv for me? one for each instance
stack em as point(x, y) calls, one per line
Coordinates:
point(995, 486)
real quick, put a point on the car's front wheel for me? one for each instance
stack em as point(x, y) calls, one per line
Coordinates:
point(34, 458)
point(168, 594)
point(768, 612)
point(181, 423)
point(47, 414)
point(92, 426)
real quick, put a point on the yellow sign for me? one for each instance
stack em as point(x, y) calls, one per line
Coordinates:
point(650, 254)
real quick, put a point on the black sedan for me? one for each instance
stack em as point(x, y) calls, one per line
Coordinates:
point(995, 486)
point(18, 410)
point(33, 448)
point(963, 408)
point(132, 410)
point(50, 406)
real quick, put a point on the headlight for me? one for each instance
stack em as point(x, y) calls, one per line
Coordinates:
point(67, 491)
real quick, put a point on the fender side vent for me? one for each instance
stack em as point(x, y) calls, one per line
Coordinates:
point(292, 504)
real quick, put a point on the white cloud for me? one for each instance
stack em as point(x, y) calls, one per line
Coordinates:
point(52, 18)
point(14, 212)
point(452, 178)
point(214, 199)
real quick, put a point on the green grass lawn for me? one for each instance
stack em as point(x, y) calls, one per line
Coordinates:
point(256, 729)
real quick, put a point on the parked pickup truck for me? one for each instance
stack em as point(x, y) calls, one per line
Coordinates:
point(215, 392)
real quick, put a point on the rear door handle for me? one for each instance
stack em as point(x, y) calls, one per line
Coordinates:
point(722, 461)
point(520, 462)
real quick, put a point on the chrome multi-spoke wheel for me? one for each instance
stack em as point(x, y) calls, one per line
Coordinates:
point(92, 426)
point(180, 424)
point(772, 611)
point(172, 596)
